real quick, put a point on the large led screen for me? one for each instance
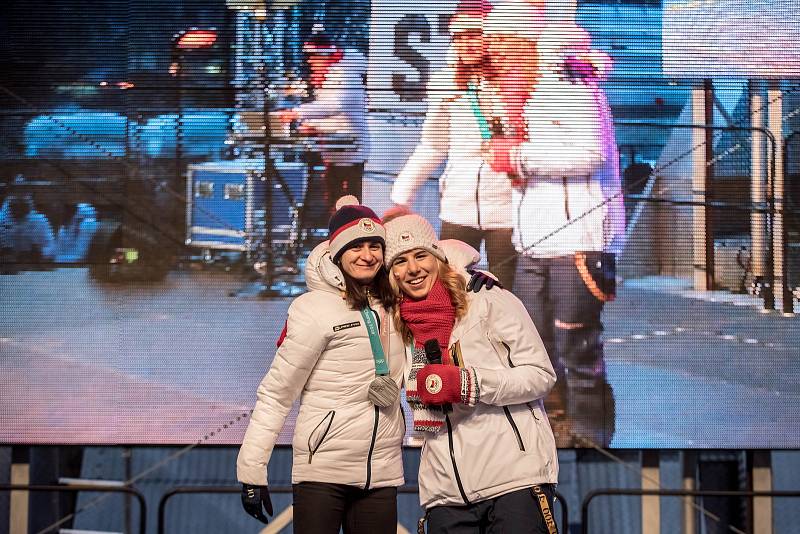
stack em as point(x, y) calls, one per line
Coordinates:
point(164, 178)
point(747, 38)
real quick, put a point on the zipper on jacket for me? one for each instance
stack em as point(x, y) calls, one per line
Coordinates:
point(477, 194)
point(566, 198)
point(528, 404)
point(313, 451)
point(514, 428)
point(372, 448)
point(377, 317)
point(505, 408)
point(533, 413)
point(453, 458)
point(508, 354)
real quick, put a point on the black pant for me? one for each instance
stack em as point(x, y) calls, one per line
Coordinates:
point(558, 300)
point(517, 512)
point(500, 252)
point(326, 187)
point(321, 508)
point(567, 316)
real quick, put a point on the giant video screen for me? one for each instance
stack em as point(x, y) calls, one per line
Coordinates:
point(735, 38)
point(165, 177)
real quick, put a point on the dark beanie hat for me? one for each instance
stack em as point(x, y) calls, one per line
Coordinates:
point(353, 223)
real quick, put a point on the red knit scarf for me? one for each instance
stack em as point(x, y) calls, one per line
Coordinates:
point(432, 317)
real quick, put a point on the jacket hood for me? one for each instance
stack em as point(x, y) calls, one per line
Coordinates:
point(321, 273)
point(459, 255)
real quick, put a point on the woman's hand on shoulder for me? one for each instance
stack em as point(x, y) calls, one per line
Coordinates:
point(480, 280)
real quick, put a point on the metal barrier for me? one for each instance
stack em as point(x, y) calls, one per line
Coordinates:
point(162, 503)
point(770, 209)
point(671, 493)
point(86, 488)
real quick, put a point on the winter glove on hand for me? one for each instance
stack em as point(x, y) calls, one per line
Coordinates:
point(253, 497)
point(497, 153)
point(480, 280)
point(439, 385)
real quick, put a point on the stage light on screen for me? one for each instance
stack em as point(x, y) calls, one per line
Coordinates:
point(196, 39)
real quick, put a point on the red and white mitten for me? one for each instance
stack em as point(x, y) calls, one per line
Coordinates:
point(440, 384)
point(498, 153)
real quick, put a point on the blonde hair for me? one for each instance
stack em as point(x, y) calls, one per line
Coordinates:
point(454, 284)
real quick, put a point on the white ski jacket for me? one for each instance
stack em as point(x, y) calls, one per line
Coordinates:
point(572, 200)
point(326, 361)
point(339, 108)
point(472, 194)
point(505, 442)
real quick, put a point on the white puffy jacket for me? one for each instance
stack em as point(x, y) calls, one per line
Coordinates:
point(504, 443)
point(340, 108)
point(472, 194)
point(326, 360)
point(572, 201)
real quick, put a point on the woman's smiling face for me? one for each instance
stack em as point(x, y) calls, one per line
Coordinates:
point(362, 261)
point(415, 272)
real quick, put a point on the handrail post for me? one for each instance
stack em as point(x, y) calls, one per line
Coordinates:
point(76, 488)
point(673, 493)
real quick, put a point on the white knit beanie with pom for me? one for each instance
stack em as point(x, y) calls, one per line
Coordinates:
point(408, 232)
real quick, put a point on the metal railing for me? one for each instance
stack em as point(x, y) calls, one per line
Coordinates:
point(671, 493)
point(770, 208)
point(85, 488)
point(182, 490)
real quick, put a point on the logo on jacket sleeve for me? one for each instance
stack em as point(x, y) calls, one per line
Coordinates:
point(345, 326)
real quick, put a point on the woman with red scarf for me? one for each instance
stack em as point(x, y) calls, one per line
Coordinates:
point(489, 462)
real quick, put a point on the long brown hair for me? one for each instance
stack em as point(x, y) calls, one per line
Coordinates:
point(464, 73)
point(454, 284)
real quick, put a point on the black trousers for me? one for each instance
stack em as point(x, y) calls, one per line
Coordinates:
point(555, 296)
point(322, 508)
point(568, 318)
point(500, 252)
point(517, 512)
point(326, 187)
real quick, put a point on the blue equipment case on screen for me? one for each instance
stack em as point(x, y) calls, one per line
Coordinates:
point(226, 207)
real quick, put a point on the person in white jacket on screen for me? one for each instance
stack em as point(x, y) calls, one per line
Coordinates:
point(338, 78)
point(569, 218)
point(474, 199)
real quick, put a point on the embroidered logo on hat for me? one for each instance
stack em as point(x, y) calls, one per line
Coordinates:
point(433, 384)
point(406, 236)
point(368, 225)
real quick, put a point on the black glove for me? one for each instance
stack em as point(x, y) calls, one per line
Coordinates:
point(253, 497)
point(479, 280)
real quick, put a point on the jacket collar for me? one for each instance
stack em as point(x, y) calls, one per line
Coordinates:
point(321, 273)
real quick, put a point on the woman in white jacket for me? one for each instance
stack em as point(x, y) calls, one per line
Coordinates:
point(475, 199)
point(489, 462)
point(338, 358)
point(340, 355)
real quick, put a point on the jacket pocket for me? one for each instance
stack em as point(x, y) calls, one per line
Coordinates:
point(317, 436)
point(514, 428)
